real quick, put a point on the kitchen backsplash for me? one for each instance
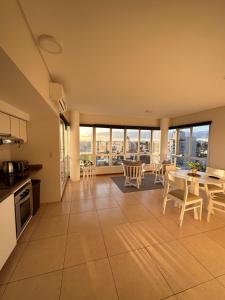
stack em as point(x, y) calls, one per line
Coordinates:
point(5, 153)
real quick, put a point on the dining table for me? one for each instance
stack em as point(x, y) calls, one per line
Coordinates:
point(196, 179)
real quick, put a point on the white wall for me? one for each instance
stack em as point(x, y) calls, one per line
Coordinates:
point(17, 41)
point(43, 148)
point(217, 133)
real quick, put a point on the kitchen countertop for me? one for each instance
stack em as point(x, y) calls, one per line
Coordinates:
point(10, 182)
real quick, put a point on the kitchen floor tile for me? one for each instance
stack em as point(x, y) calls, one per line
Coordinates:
point(217, 236)
point(103, 203)
point(44, 287)
point(210, 254)
point(86, 222)
point(209, 290)
point(121, 238)
point(135, 213)
point(137, 277)
point(9, 267)
point(82, 248)
point(56, 209)
point(221, 279)
point(151, 232)
point(49, 227)
point(111, 217)
point(88, 282)
point(2, 289)
point(181, 270)
point(80, 206)
point(41, 256)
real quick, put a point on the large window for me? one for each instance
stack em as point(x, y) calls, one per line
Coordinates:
point(86, 143)
point(145, 146)
point(117, 146)
point(189, 144)
point(110, 146)
point(102, 146)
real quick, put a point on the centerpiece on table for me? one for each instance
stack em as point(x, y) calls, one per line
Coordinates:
point(194, 166)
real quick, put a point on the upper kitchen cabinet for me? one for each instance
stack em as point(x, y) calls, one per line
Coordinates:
point(4, 123)
point(15, 126)
point(23, 130)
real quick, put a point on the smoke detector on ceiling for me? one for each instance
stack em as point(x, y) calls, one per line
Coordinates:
point(49, 44)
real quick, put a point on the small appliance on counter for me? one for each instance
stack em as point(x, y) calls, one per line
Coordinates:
point(7, 167)
point(20, 165)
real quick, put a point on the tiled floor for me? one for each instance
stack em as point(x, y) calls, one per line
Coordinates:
point(102, 244)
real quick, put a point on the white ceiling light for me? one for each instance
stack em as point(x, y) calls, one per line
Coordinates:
point(49, 44)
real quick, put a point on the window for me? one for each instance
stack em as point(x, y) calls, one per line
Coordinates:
point(145, 146)
point(110, 146)
point(117, 146)
point(102, 146)
point(86, 143)
point(189, 144)
point(199, 147)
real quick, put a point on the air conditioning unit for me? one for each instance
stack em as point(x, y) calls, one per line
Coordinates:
point(56, 94)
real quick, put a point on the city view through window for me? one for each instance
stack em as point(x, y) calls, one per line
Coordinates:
point(189, 144)
point(110, 146)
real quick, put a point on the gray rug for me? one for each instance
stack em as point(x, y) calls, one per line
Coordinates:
point(147, 184)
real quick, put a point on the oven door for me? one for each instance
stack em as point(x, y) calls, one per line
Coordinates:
point(23, 213)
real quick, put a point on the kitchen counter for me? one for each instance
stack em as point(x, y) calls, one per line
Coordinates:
point(10, 182)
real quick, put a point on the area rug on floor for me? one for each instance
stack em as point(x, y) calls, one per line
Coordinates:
point(147, 184)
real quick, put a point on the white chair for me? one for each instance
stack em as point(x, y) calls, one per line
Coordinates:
point(177, 190)
point(133, 174)
point(158, 171)
point(211, 189)
point(143, 171)
point(216, 202)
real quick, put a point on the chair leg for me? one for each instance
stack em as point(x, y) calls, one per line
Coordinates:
point(164, 204)
point(200, 212)
point(182, 215)
point(209, 211)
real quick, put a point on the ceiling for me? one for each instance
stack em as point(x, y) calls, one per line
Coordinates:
point(121, 58)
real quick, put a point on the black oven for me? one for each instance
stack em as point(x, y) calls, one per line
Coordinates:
point(23, 207)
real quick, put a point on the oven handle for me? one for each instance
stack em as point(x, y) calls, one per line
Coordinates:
point(18, 201)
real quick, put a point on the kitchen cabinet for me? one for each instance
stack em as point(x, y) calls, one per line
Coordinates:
point(4, 123)
point(7, 229)
point(23, 130)
point(15, 126)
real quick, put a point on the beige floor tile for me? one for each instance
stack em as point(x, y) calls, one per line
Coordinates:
point(137, 277)
point(82, 248)
point(210, 254)
point(9, 267)
point(41, 256)
point(57, 209)
point(121, 238)
point(181, 270)
point(174, 229)
point(103, 203)
point(210, 290)
point(221, 279)
point(44, 287)
point(88, 282)
point(27, 233)
point(217, 236)
point(151, 232)
point(135, 213)
point(49, 227)
point(127, 200)
point(86, 222)
point(80, 206)
point(111, 217)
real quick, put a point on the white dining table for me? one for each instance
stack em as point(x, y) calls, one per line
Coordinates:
point(203, 178)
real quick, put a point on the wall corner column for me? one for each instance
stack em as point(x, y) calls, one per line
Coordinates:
point(74, 145)
point(164, 127)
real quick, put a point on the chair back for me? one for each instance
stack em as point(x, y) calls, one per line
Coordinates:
point(215, 172)
point(177, 183)
point(133, 171)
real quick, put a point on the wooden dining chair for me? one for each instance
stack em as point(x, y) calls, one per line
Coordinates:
point(211, 189)
point(133, 174)
point(216, 202)
point(177, 190)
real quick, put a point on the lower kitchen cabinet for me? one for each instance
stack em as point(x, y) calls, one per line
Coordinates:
point(7, 229)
